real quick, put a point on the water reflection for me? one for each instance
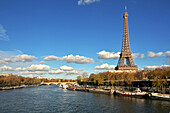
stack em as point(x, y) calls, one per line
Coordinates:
point(52, 99)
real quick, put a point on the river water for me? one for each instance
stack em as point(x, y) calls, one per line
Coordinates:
point(51, 99)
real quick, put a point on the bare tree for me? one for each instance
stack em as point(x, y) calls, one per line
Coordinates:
point(85, 76)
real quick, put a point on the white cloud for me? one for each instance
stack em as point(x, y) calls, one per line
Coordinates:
point(111, 55)
point(154, 67)
point(3, 35)
point(32, 72)
point(56, 72)
point(6, 68)
point(34, 69)
point(7, 60)
point(39, 72)
point(152, 54)
point(50, 58)
point(24, 58)
point(101, 71)
point(73, 72)
point(77, 59)
point(3, 62)
point(168, 54)
point(21, 69)
point(54, 68)
point(84, 2)
point(135, 55)
point(38, 67)
point(150, 67)
point(108, 55)
point(30, 75)
point(96, 71)
point(105, 66)
point(66, 68)
point(142, 56)
point(7, 54)
point(15, 59)
point(25, 73)
point(71, 59)
point(42, 62)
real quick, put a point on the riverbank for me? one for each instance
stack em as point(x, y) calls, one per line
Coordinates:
point(17, 87)
point(123, 92)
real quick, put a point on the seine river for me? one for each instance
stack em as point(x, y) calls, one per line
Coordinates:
point(51, 99)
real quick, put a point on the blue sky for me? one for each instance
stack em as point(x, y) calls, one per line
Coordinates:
point(41, 28)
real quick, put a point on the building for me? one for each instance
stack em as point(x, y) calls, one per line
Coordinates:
point(126, 61)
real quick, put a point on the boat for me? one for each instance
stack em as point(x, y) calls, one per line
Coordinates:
point(63, 86)
point(101, 91)
point(60, 85)
point(82, 89)
point(159, 96)
point(74, 89)
point(135, 93)
point(71, 88)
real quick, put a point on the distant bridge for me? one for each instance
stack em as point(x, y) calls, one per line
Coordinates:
point(56, 83)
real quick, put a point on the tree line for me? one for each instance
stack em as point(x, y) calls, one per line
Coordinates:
point(14, 80)
point(159, 77)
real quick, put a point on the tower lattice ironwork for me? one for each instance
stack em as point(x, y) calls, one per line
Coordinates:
point(126, 54)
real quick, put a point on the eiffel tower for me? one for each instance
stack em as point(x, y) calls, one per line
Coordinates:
point(126, 54)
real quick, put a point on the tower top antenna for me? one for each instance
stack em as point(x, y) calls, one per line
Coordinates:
point(125, 8)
